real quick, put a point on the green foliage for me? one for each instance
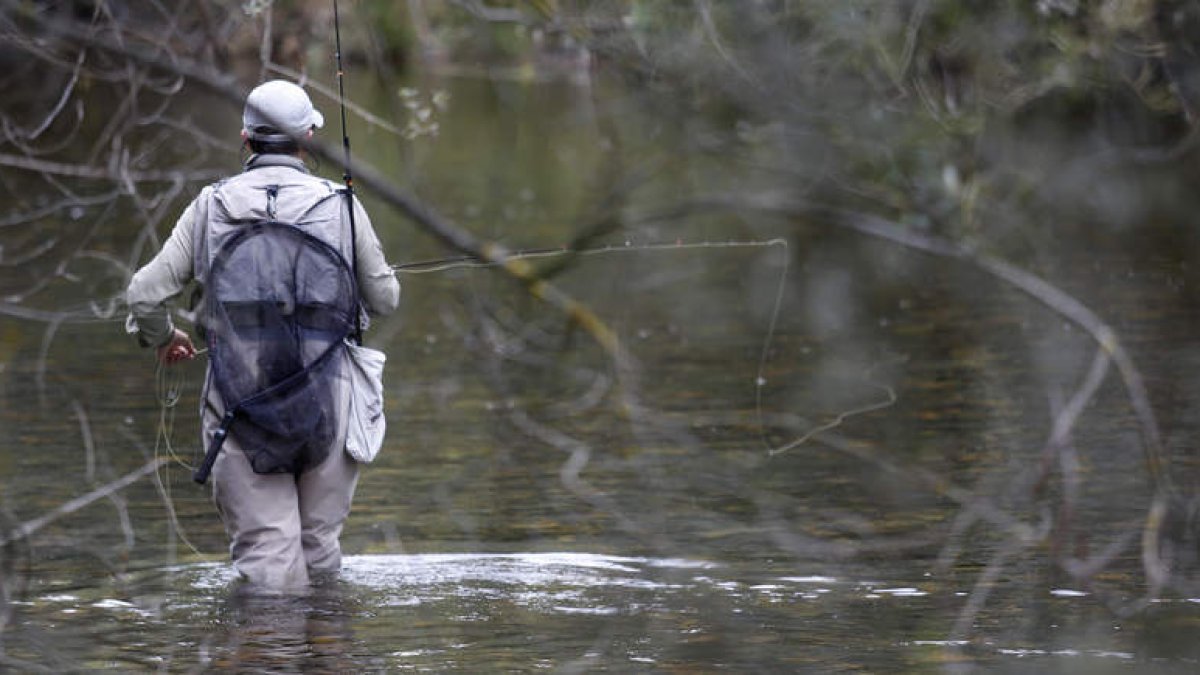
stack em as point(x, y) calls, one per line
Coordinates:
point(391, 27)
point(951, 113)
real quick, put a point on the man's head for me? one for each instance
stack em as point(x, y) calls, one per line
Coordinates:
point(276, 114)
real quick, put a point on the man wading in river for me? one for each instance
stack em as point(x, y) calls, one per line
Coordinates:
point(271, 249)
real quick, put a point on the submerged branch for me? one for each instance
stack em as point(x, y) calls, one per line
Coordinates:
point(1032, 285)
point(1069, 307)
point(31, 526)
point(1049, 295)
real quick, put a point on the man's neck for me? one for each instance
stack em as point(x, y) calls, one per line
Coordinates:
point(275, 159)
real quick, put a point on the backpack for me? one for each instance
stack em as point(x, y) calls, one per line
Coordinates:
point(279, 301)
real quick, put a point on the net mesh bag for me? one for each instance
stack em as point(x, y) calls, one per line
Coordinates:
point(279, 303)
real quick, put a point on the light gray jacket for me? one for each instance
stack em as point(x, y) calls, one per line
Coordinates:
point(165, 277)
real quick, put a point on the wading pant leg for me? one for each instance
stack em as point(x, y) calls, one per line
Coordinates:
point(261, 517)
point(325, 495)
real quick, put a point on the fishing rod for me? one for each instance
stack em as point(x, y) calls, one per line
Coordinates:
point(347, 177)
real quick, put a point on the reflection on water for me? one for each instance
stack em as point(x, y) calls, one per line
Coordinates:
point(569, 611)
point(281, 634)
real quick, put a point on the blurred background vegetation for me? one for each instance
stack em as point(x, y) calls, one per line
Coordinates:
point(980, 374)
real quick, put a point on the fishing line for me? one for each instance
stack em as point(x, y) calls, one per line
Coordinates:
point(169, 384)
point(832, 424)
point(471, 262)
point(760, 380)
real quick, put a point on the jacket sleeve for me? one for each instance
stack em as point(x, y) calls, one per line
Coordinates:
point(377, 281)
point(158, 281)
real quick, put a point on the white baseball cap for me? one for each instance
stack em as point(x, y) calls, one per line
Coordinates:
point(279, 108)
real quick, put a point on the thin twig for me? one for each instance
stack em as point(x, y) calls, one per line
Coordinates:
point(89, 444)
point(984, 586)
point(366, 115)
point(837, 421)
point(105, 173)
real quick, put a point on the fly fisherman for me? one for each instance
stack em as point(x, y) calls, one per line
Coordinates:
point(282, 483)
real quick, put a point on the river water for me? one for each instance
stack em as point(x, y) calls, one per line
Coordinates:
point(518, 519)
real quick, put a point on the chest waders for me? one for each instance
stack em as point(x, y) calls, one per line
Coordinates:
point(279, 302)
